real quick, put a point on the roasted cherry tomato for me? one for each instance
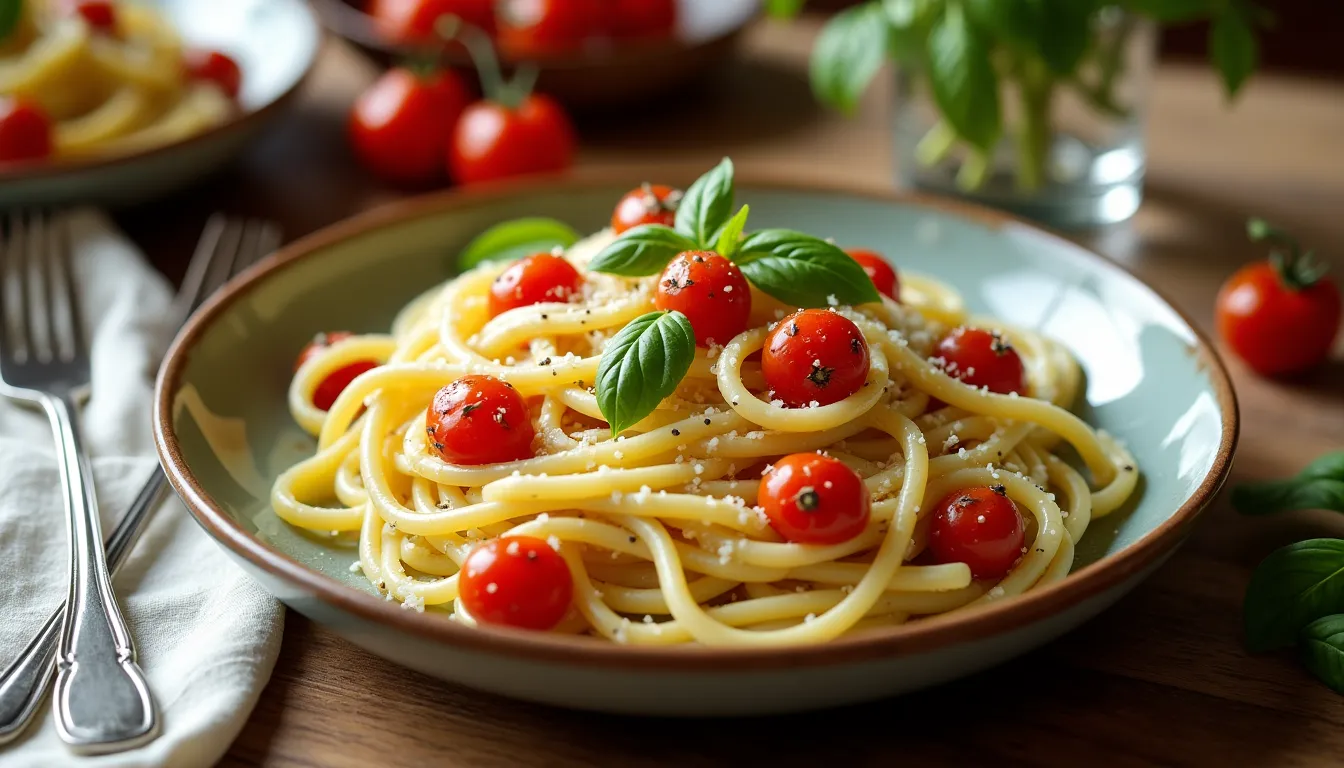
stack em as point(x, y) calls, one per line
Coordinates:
point(980, 527)
point(331, 387)
point(413, 21)
point(529, 28)
point(710, 291)
point(815, 499)
point(536, 279)
point(479, 420)
point(650, 204)
point(814, 356)
point(99, 14)
point(641, 18)
point(1282, 315)
point(216, 67)
point(517, 581)
point(981, 358)
point(25, 130)
point(494, 141)
point(401, 125)
point(879, 271)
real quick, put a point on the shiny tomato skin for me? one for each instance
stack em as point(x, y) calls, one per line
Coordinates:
point(649, 204)
point(535, 279)
point(335, 383)
point(25, 131)
point(530, 28)
point(814, 356)
point(214, 66)
point(879, 270)
point(413, 21)
point(978, 526)
point(479, 420)
point(101, 15)
point(710, 291)
point(1275, 329)
point(516, 581)
point(982, 358)
point(815, 499)
point(642, 19)
point(400, 127)
point(492, 141)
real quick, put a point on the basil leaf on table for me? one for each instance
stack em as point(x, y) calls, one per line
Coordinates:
point(1294, 586)
point(1322, 650)
point(803, 270)
point(730, 237)
point(963, 80)
point(1233, 48)
point(643, 364)
point(707, 204)
point(848, 54)
point(10, 11)
point(642, 250)
point(516, 239)
point(1319, 486)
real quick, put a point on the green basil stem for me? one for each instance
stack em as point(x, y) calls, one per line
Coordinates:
point(1034, 132)
point(482, 51)
point(974, 170)
point(936, 144)
point(1111, 58)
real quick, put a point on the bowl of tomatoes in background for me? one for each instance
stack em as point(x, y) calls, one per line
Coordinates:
point(589, 52)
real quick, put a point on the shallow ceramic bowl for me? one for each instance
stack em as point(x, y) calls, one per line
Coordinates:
point(275, 43)
point(1151, 380)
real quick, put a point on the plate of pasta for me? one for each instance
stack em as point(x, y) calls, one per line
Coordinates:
point(116, 101)
point(721, 448)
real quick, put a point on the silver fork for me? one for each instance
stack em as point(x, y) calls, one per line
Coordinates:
point(226, 247)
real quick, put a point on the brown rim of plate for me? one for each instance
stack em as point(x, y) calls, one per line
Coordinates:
point(34, 171)
point(921, 635)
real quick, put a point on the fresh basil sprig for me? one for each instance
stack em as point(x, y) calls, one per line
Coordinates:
point(642, 250)
point(1322, 650)
point(1319, 486)
point(707, 204)
point(1294, 586)
point(643, 364)
point(516, 239)
point(730, 237)
point(803, 270)
point(10, 12)
point(963, 79)
point(849, 52)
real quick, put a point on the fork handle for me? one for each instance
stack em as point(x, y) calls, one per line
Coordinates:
point(102, 701)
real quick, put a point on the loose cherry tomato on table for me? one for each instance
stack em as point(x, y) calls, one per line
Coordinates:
point(531, 28)
point(101, 15)
point(814, 356)
point(815, 499)
point(401, 125)
point(710, 291)
point(633, 19)
point(216, 67)
point(413, 21)
point(980, 527)
point(479, 420)
point(1282, 315)
point(516, 581)
point(331, 387)
point(650, 204)
point(981, 358)
point(536, 279)
point(879, 271)
point(25, 131)
point(496, 140)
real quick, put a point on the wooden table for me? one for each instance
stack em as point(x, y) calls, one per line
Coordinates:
point(1161, 678)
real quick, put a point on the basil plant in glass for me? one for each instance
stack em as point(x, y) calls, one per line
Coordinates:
point(1034, 106)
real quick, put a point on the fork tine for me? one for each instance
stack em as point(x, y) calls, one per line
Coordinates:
point(195, 282)
point(61, 254)
point(267, 240)
point(6, 245)
point(19, 247)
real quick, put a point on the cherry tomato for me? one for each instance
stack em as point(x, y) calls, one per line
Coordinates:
point(710, 291)
point(101, 15)
point(479, 420)
point(1275, 328)
point(642, 18)
point(650, 204)
point(879, 271)
point(815, 499)
point(536, 279)
point(25, 130)
point(493, 141)
point(982, 358)
point(517, 581)
point(814, 356)
point(400, 126)
point(529, 28)
point(980, 527)
point(413, 21)
point(331, 387)
point(214, 66)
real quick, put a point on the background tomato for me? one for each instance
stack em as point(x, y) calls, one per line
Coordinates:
point(25, 131)
point(495, 141)
point(410, 21)
point(400, 127)
point(530, 28)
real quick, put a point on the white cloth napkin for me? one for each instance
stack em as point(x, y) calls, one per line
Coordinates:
point(207, 636)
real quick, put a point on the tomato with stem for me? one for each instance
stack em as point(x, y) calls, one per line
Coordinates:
point(400, 127)
point(811, 498)
point(981, 358)
point(814, 357)
point(710, 291)
point(479, 420)
point(978, 526)
point(416, 21)
point(649, 204)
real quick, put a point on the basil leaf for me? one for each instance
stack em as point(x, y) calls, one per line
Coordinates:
point(707, 204)
point(1171, 10)
point(1319, 486)
point(730, 237)
point(963, 80)
point(907, 27)
point(1065, 33)
point(640, 251)
point(10, 12)
point(643, 364)
point(1233, 49)
point(783, 9)
point(1295, 585)
point(1015, 20)
point(516, 239)
point(802, 270)
point(847, 55)
point(1322, 644)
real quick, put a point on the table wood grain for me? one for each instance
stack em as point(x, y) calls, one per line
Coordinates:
point(1160, 679)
